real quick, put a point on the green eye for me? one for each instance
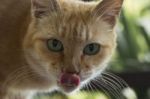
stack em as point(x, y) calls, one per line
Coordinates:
point(55, 45)
point(91, 49)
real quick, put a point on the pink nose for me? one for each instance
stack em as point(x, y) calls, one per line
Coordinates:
point(69, 80)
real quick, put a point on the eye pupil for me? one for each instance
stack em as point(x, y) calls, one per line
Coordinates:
point(91, 47)
point(55, 43)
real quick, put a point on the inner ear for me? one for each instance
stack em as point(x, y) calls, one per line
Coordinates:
point(41, 8)
point(108, 10)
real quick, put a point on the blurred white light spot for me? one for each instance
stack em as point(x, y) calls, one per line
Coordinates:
point(129, 93)
point(145, 22)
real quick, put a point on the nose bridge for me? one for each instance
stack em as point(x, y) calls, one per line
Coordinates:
point(71, 61)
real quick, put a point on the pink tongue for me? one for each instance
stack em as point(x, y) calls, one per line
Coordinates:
point(70, 80)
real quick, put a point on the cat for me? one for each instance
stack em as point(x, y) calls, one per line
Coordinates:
point(54, 44)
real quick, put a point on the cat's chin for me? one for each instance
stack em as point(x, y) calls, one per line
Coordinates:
point(68, 90)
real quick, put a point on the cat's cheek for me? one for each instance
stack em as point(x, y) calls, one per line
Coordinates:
point(46, 55)
point(35, 64)
point(87, 63)
point(99, 62)
point(96, 61)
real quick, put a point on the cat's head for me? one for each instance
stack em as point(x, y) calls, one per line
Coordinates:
point(70, 41)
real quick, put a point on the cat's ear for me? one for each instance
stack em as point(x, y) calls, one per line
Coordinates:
point(108, 10)
point(41, 8)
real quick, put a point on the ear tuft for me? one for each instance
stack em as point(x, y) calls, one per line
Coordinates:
point(108, 10)
point(41, 8)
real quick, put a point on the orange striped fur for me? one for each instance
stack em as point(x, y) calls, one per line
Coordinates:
point(26, 64)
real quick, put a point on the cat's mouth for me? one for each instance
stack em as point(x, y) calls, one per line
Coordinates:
point(69, 82)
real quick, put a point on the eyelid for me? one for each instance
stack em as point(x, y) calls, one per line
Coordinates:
point(91, 43)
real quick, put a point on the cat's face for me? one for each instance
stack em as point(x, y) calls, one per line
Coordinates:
point(71, 41)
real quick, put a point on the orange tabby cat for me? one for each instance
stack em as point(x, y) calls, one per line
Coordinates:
point(53, 44)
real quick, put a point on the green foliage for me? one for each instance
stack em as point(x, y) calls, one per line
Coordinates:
point(133, 52)
point(81, 95)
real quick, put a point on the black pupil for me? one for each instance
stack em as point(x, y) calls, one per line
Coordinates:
point(91, 47)
point(55, 43)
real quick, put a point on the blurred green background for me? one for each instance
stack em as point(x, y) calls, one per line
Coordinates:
point(133, 53)
point(132, 58)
